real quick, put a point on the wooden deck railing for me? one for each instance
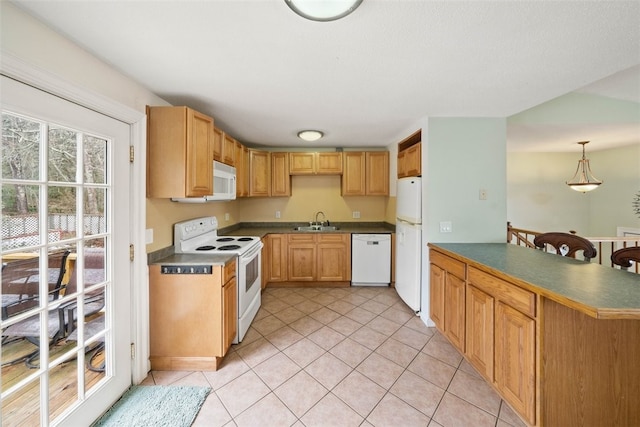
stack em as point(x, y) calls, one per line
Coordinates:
point(605, 245)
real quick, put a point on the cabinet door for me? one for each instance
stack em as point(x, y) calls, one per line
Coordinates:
point(479, 331)
point(280, 178)
point(260, 173)
point(276, 257)
point(329, 163)
point(353, 175)
point(302, 163)
point(515, 359)
point(377, 173)
point(240, 169)
point(199, 150)
point(414, 160)
point(437, 277)
point(229, 313)
point(402, 164)
point(333, 263)
point(228, 150)
point(217, 144)
point(246, 172)
point(454, 310)
point(301, 257)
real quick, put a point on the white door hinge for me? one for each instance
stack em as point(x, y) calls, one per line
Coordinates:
point(131, 153)
point(131, 250)
point(133, 351)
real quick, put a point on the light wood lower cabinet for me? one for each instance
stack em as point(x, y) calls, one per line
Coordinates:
point(448, 297)
point(333, 258)
point(192, 318)
point(515, 370)
point(301, 257)
point(314, 259)
point(492, 322)
point(479, 330)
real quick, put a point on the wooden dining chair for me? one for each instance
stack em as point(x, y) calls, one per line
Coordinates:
point(624, 256)
point(566, 244)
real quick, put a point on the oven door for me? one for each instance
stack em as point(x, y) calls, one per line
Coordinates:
point(249, 288)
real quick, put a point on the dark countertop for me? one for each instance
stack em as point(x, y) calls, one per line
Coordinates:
point(597, 290)
point(261, 229)
point(194, 259)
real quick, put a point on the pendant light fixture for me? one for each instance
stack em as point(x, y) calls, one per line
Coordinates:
point(583, 180)
point(323, 10)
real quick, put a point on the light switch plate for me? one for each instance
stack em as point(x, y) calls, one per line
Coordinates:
point(446, 227)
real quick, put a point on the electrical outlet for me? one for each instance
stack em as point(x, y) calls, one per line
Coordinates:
point(356, 214)
point(446, 227)
point(277, 214)
point(226, 217)
point(483, 194)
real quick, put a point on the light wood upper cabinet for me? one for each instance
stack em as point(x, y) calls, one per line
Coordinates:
point(242, 170)
point(354, 173)
point(179, 153)
point(323, 163)
point(218, 136)
point(410, 156)
point(228, 149)
point(365, 173)
point(260, 173)
point(377, 173)
point(302, 163)
point(280, 178)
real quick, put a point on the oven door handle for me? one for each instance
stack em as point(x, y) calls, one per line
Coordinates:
point(251, 252)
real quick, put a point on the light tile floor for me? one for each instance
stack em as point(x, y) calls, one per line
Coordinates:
point(342, 357)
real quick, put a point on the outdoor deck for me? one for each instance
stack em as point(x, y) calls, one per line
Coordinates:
point(23, 409)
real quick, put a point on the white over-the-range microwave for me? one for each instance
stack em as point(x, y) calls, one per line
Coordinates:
point(224, 185)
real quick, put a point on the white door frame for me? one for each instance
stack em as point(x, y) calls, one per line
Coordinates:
point(13, 67)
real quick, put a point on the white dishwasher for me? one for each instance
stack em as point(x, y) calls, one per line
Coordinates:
point(370, 259)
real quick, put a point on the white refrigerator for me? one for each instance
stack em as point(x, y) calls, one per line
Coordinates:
point(409, 241)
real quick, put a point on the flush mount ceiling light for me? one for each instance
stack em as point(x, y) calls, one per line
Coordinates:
point(583, 180)
point(310, 135)
point(323, 10)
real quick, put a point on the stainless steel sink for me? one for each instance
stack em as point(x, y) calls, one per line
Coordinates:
point(317, 228)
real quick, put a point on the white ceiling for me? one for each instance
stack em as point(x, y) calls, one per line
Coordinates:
point(265, 73)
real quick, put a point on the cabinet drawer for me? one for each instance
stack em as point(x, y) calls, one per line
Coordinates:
point(229, 270)
point(452, 266)
point(518, 298)
point(302, 238)
point(333, 238)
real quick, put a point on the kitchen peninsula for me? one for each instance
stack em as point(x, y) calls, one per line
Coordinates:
point(558, 338)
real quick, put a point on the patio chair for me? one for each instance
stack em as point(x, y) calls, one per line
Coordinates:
point(566, 244)
point(624, 256)
point(91, 328)
point(61, 320)
point(21, 282)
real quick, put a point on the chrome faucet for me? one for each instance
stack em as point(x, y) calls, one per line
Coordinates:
point(316, 218)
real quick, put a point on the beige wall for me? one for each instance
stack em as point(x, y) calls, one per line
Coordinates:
point(310, 194)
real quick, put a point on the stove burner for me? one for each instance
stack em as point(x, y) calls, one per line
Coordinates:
point(225, 239)
point(245, 239)
point(205, 248)
point(229, 247)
